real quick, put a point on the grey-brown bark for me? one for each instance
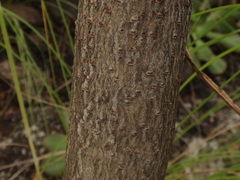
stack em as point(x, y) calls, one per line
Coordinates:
point(125, 88)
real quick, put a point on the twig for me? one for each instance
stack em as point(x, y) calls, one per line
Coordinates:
point(30, 161)
point(214, 86)
point(19, 172)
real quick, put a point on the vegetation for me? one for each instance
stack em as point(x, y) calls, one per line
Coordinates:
point(40, 58)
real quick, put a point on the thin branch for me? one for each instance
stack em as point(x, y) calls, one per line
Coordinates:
point(30, 161)
point(213, 85)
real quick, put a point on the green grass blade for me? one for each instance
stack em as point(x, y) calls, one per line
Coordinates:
point(65, 24)
point(18, 92)
point(207, 99)
point(53, 35)
point(215, 9)
point(213, 41)
point(208, 63)
point(214, 25)
point(204, 116)
point(41, 37)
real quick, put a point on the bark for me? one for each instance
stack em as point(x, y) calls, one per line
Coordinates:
point(128, 56)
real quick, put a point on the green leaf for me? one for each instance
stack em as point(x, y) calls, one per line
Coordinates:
point(218, 67)
point(55, 142)
point(228, 42)
point(204, 53)
point(225, 26)
point(200, 29)
point(54, 166)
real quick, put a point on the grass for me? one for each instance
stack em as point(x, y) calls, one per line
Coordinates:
point(212, 157)
point(18, 92)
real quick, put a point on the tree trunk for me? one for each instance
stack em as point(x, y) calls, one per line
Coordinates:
point(128, 56)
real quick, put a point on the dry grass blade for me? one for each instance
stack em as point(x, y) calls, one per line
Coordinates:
point(19, 172)
point(14, 144)
point(213, 85)
point(30, 161)
point(207, 139)
point(39, 100)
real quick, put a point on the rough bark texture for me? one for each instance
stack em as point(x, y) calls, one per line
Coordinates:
point(128, 56)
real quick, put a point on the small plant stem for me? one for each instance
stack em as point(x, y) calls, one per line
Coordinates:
point(213, 85)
